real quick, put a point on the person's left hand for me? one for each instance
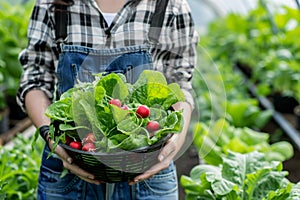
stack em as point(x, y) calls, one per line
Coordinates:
point(165, 158)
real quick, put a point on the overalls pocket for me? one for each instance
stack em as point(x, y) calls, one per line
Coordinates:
point(130, 64)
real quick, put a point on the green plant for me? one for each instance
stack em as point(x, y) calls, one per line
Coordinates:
point(240, 177)
point(232, 101)
point(13, 33)
point(19, 167)
point(263, 42)
point(247, 113)
point(215, 141)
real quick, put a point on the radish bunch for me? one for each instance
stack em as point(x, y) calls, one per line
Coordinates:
point(87, 143)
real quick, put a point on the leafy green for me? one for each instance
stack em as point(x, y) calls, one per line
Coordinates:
point(222, 93)
point(216, 141)
point(240, 177)
point(14, 20)
point(85, 108)
point(151, 89)
point(246, 112)
point(114, 85)
point(264, 45)
point(61, 110)
point(19, 167)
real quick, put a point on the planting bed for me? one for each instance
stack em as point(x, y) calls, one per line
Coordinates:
point(292, 165)
point(282, 127)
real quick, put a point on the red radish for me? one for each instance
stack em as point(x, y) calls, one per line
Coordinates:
point(143, 111)
point(153, 126)
point(90, 137)
point(76, 145)
point(88, 147)
point(115, 102)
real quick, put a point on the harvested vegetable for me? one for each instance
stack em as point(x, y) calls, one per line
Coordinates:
point(117, 112)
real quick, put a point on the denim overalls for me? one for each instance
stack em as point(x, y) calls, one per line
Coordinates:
point(79, 63)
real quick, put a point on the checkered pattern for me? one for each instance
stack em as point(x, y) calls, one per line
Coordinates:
point(174, 54)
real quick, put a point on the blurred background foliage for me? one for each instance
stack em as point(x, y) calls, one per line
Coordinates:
point(14, 18)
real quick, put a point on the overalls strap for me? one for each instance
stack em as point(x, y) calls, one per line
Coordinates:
point(61, 20)
point(157, 20)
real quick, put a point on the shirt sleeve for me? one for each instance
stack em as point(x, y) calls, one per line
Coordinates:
point(176, 52)
point(38, 58)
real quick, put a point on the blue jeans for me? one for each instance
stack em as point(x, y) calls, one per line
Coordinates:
point(162, 186)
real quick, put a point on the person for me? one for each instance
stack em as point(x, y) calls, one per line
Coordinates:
point(100, 33)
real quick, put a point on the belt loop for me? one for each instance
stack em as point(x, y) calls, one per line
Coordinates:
point(109, 190)
point(132, 191)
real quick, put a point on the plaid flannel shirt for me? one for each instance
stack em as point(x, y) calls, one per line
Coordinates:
point(174, 55)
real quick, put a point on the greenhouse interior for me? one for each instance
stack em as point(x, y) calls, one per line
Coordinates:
point(243, 140)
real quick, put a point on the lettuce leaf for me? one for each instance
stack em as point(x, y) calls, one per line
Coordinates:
point(240, 176)
point(138, 138)
point(60, 110)
point(151, 89)
point(114, 85)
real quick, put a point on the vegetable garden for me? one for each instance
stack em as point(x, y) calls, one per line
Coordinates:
point(246, 139)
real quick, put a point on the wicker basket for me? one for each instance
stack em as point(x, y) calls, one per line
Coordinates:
point(117, 166)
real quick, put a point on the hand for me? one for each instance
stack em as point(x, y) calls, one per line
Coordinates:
point(173, 146)
point(68, 164)
point(165, 158)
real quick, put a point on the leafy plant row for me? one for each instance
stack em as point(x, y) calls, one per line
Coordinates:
point(214, 142)
point(238, 160)
point(14, 20)
point(240, 177)
point(220, 92)
point(19, 169)
point(265, 46)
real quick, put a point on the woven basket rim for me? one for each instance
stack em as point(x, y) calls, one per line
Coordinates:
point(145, 149)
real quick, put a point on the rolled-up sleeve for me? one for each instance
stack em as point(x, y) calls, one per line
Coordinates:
point(38, 58)
point(176, 51)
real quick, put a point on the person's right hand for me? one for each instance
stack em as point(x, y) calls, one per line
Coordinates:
point(72, 167)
